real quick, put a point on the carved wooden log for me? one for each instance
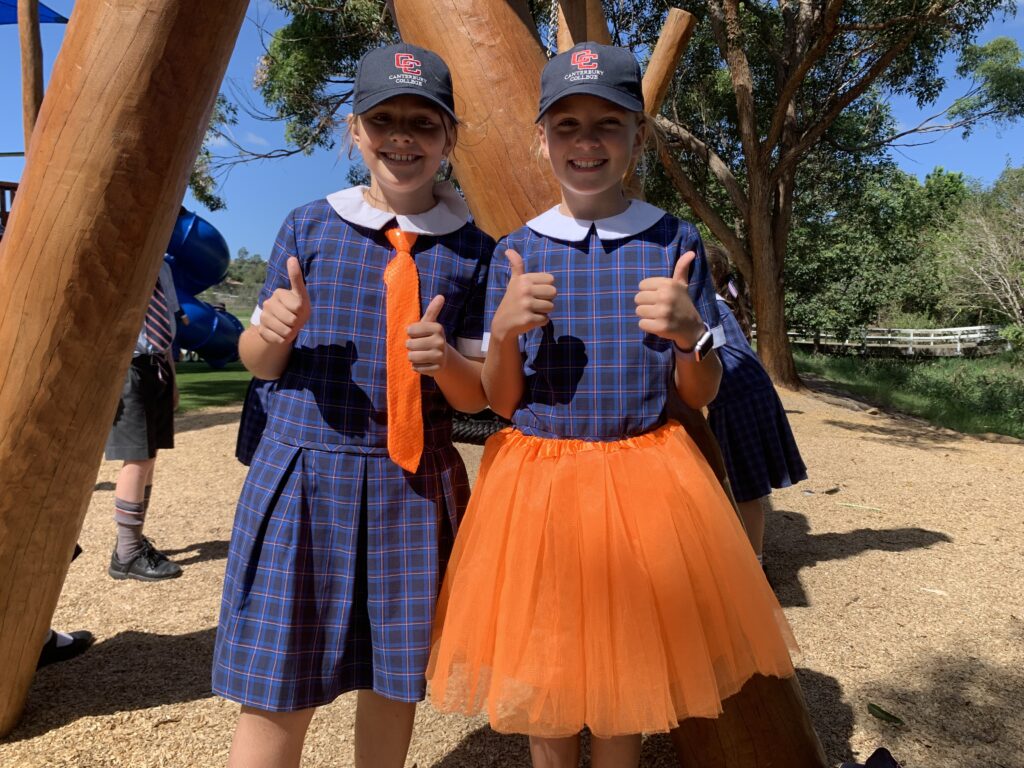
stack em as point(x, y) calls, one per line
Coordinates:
point(496, 59)
point(581, 20)
point(765, 725)
point(128, 103)
point(31, 64)
point(675, 36)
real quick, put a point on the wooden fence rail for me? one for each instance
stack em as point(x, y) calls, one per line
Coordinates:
point(947, 342)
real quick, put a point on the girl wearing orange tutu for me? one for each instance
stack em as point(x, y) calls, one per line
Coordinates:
point(600, 577)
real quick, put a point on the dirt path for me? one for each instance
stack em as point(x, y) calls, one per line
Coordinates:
point(899, 564)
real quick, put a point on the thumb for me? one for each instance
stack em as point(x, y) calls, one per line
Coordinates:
point(296, 279)
point(433, 309)
point(682, 270)
point(516, 262)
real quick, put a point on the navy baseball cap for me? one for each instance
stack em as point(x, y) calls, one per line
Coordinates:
point(605, 71)
point(397, 70)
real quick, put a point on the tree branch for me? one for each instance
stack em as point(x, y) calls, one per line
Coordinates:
point(797, 76)
point(675, 133)
point(811, 135)
point(725, 25)
point(692, 197)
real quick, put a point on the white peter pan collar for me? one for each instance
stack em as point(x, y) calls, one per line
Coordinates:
point(632, 221)
point(450, 214)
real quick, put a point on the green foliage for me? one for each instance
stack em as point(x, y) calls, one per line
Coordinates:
point(969, 395)
point(306, 76)
point(201, 181)
point(241, 287)
point(996, 69)
point(1015, 335)
point(980, 254)
point(870, 251)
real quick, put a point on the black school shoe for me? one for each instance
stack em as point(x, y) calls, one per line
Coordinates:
point(880, 758)
point(52, 653)
point(149, 565)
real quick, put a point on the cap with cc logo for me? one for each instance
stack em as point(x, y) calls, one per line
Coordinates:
point(398, 70)
point(605, 71)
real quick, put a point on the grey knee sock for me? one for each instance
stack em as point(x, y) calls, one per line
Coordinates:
point(129, 516)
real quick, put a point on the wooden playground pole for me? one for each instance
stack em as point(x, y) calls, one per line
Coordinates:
point(496, 58)
point(31, 64)
point(579, 21)
point(127, 107)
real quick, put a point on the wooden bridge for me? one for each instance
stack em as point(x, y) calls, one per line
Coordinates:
point(940, 342)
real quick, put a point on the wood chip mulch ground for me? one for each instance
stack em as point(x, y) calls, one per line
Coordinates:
point(899, 564)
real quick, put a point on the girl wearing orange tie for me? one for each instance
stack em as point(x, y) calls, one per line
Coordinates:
point(370, 325)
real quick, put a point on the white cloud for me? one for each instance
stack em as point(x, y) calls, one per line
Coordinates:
point(252, 138)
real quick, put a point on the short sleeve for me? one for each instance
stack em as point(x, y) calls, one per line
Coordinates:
point(497, 281)
point(277, 265)
point(702, 288)
point(471, 329)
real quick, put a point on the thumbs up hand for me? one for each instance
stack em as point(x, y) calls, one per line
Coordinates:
point(287, 309)
point(528, 300)
point(665, 309)
point(428, 348)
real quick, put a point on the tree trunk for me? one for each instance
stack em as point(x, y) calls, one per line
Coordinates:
point(31, 64)
point(130, 98)
point(768, 294)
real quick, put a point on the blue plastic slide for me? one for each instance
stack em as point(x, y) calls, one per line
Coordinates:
point(199, 259)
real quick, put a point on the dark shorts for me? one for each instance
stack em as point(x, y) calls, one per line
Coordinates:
point(144, 420)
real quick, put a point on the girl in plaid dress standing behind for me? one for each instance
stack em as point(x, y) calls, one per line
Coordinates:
point(355, 490)
point(747, 416)
point(601, 577)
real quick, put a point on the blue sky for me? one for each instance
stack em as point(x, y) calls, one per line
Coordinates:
point(260, 195)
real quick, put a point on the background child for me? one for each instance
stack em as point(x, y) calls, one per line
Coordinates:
point(355, 490)
point(747, 416)
point(601, 577)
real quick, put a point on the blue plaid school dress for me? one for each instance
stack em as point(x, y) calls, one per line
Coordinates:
point(591, 373)
point(749, 421)
point(337, 554)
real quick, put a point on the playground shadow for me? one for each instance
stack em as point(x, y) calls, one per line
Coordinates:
point(104, 486)
point(910, 435)
point(199, 553)
point(193, 420)
point(832, 717)
point(958, 704)
point(791, 547)
point(130, 671)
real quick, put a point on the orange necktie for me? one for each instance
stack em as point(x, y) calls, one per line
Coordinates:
point(405, 417)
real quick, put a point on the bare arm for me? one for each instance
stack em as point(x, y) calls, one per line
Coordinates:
point(502, 375)
point(263, 359)
point(457, 377)
point(528, 299)
point(697, 382)
point(665, 309)
point(266, 348)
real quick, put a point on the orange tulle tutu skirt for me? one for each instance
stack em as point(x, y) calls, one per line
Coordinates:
point(601, 584)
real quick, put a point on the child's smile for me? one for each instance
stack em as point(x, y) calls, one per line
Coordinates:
point(590, 143)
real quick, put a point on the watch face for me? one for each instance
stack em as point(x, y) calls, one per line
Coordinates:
point(704, 345)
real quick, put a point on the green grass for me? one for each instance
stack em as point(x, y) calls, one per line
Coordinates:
point(201, 386)
point(968, 395)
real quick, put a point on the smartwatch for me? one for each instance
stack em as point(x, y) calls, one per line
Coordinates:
point(700, 350)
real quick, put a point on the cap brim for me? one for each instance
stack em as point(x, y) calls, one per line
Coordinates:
point(614, 95)
point(369, 102)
